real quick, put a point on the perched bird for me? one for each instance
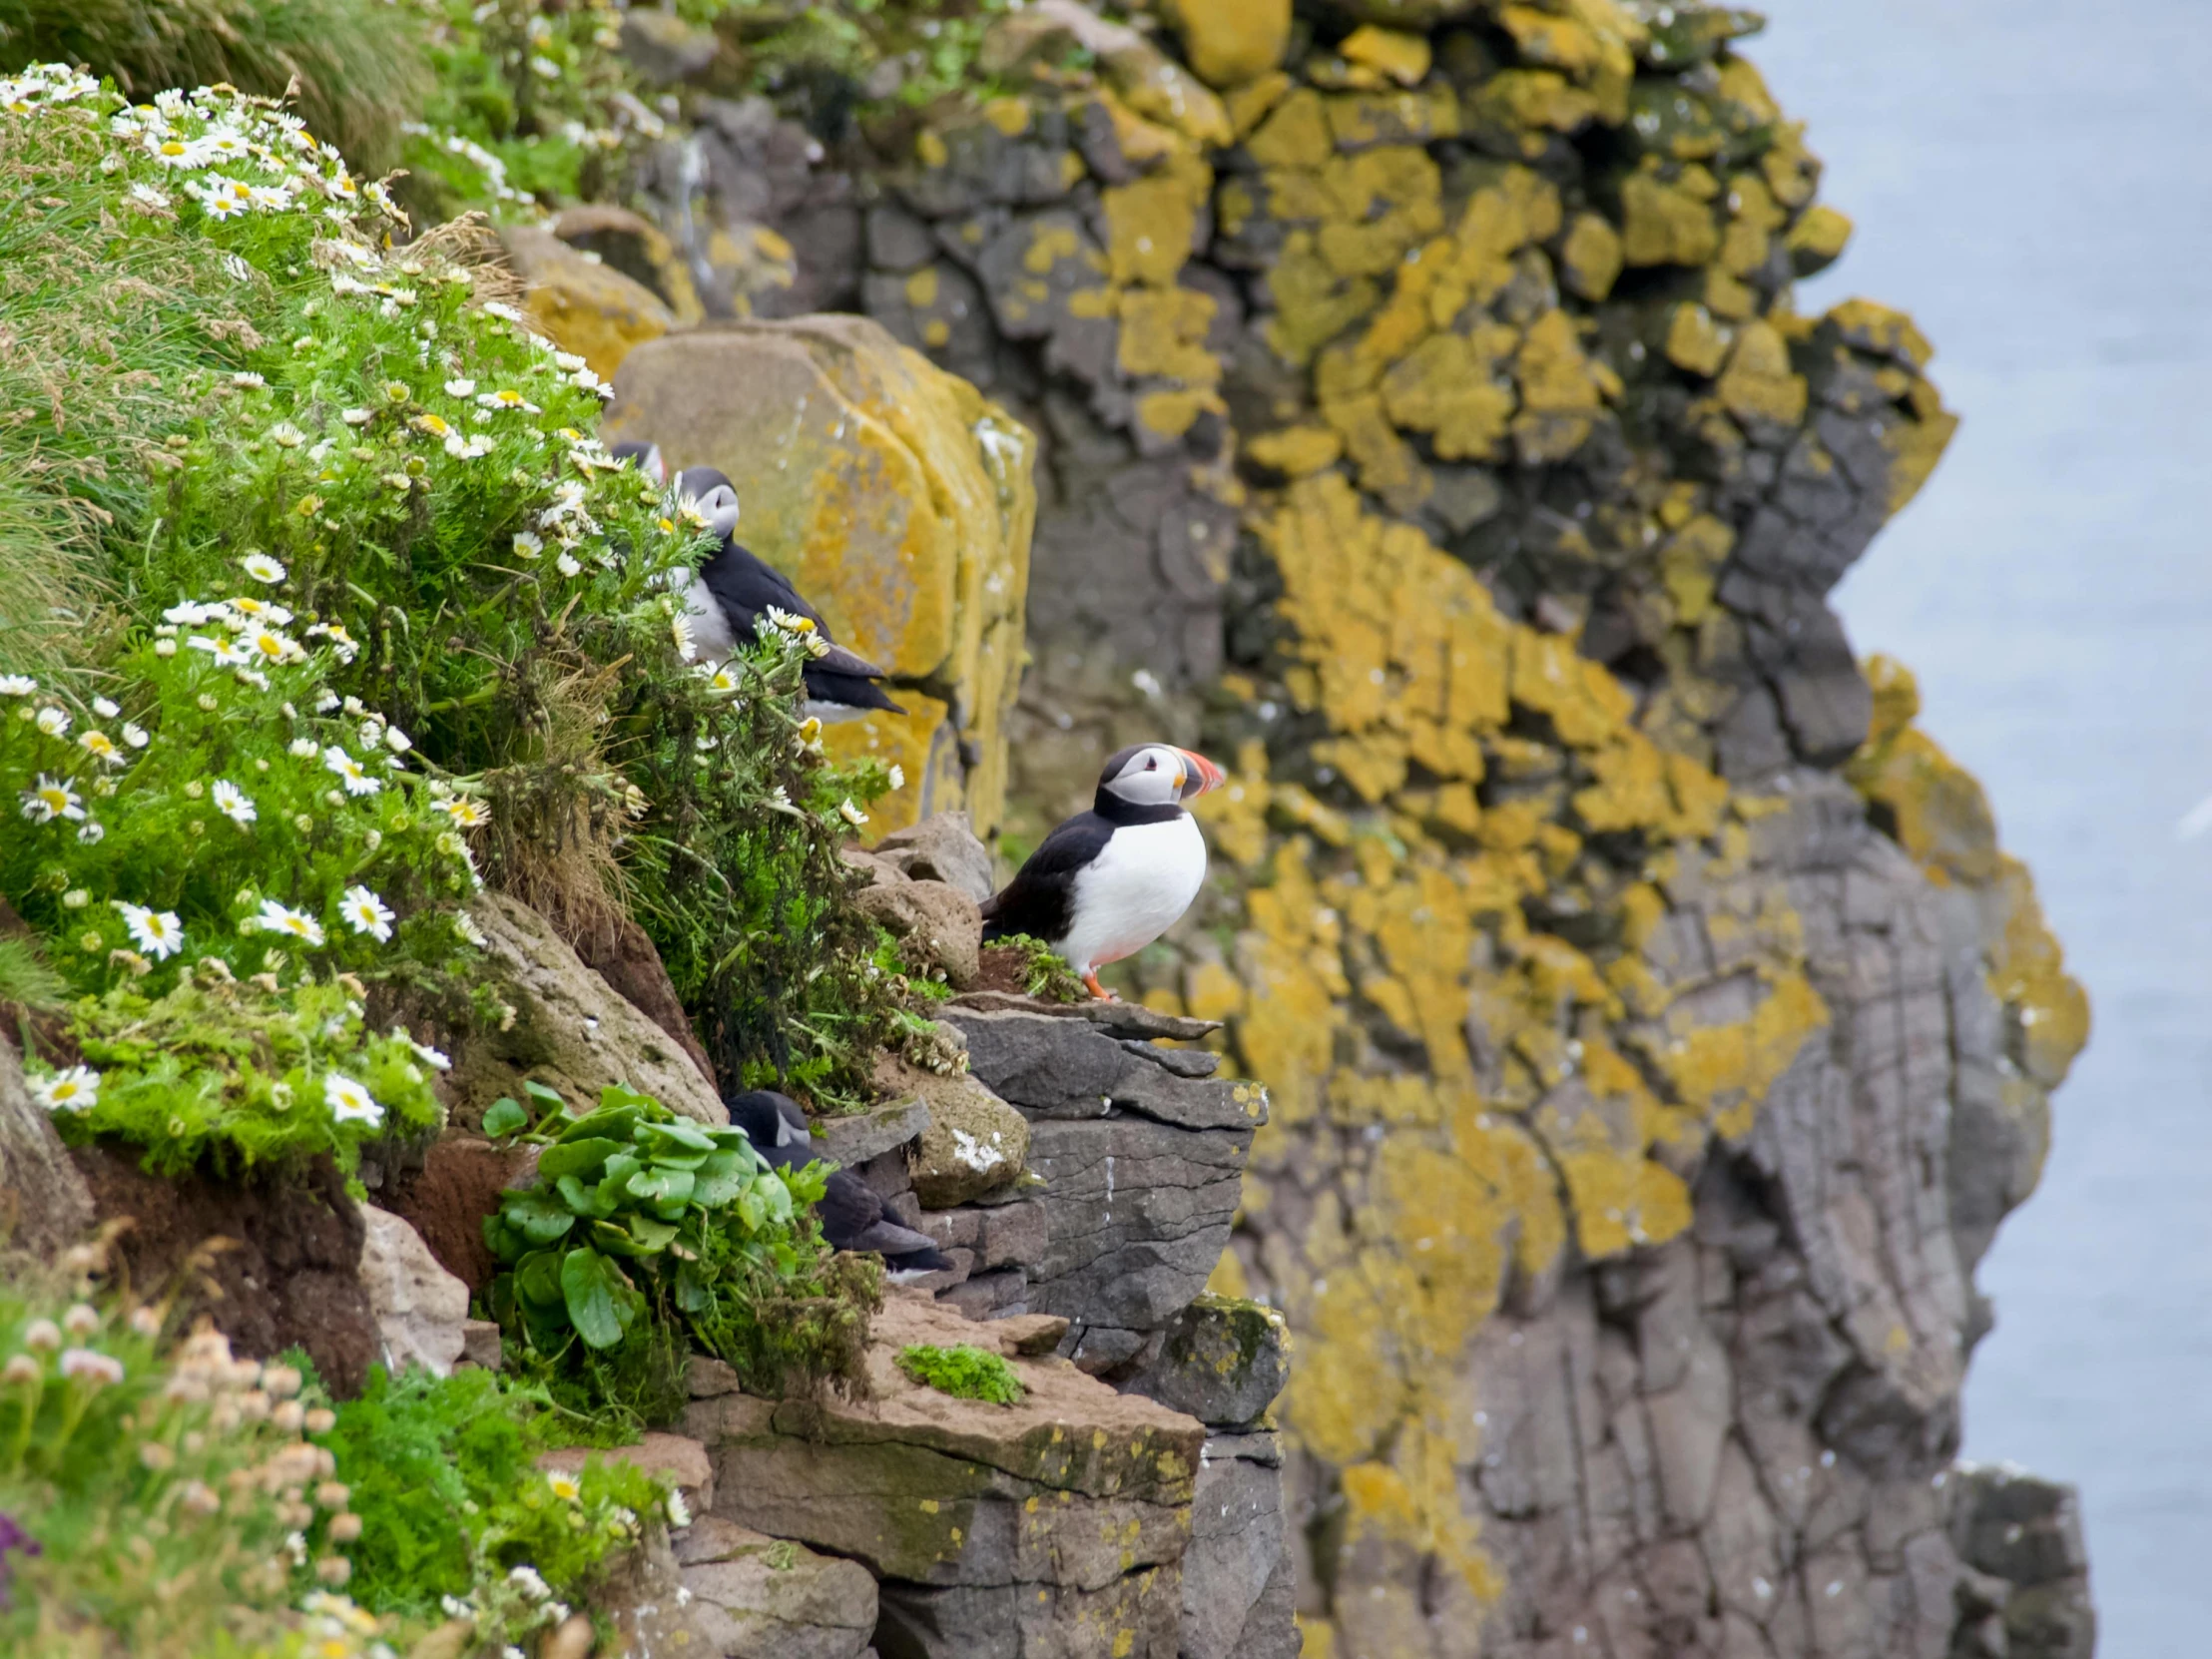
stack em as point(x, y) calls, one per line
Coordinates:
point(1109, 881)
point(850, 1214)
point(734, 589)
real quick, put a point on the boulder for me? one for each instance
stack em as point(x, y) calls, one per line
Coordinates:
point(44, 1205)
point(622, 953)
point(1230, 42)
point(570, 1030)
point(1143, 1164)
point(580, 304)
point(633, 244)
point(852, 1141)
point(1238, 1589)
point(664, 47)
point(757, 1598)
point(1223, 1361)
point(420, 1307)
point(893, 496)
point(1054, 1526)
point(937, 924)
point(974, 1143)
point(941, 847)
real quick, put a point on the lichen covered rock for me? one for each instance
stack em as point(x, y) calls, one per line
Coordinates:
point(569, 1030)
point(974, 1143)
point(581, 305)
point(894, 497)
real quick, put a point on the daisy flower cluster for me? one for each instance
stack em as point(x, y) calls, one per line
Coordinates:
point(232, 157)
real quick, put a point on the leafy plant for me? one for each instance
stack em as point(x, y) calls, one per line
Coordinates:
point(964, 1371)
point(1037, 968)
point(454, 1513)
point(645, 1232)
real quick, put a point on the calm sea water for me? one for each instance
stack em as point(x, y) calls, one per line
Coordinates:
point(2032, 179)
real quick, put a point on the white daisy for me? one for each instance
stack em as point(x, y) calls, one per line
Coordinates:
point(261, 566)
point(17, 685)
point(566, 564)
point(285, 435)
point(354, 417)
point(850, 813)
point(349, 1102)
point(50, 799)
point(349, 772)
point(507, 398)
point(719, 678)
point(105, 709)
point(465, 813)
point(101, 747)
point(156, 933)
point(897, 776)
point(275, 918)
point(364, 912)
point(232, 802)
point(528, 545)
point(73, 1090)
point(466, 925)
point(680, 630)
point(52, 721)
point(91, 832)
point(302, 749)
point(460, 388)
point(436, 1058)
point(260, 610)
point(193, 614)
point(134, 736)
point(223, 652)
point(146, 195)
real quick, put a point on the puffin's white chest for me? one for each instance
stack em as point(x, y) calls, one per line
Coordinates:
point(1134, 891)
point(710, 628)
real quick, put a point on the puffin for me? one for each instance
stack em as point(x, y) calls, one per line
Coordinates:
point(850, 1214)
point(1109, 881)
point(728, 594)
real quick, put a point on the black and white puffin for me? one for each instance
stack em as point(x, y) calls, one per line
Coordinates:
point(1109, 881)
point(850, 1214)
point(735, 588)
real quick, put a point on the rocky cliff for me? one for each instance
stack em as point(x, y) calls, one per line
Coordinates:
point(1657, 1034)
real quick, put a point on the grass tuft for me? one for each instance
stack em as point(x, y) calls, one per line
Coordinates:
point(360, 65)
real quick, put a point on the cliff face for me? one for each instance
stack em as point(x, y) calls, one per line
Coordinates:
point(1656, 1034)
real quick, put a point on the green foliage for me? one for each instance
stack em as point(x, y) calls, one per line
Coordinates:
point(229, 1075)
point(645, 1233)
point(358, 64)
point(965, 1371)
point(823, 59)
point(175, 1509)
point(532, 106)
point(25, 978)
point(463, 561)
point(451, 1503)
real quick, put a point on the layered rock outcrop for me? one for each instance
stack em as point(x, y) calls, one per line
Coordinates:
point(1656, 1034)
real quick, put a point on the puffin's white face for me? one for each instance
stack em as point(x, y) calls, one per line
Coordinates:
point(720, 505)
point(1157, 774)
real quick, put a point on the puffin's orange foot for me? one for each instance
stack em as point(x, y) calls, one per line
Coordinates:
point(1091, 984)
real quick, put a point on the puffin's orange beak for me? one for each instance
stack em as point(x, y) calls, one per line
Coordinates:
point(1200, 774)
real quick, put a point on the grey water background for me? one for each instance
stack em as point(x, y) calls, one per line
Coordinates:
point(2032, 179)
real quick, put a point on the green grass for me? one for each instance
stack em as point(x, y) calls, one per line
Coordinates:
point(360, 63)
point(963, 1371)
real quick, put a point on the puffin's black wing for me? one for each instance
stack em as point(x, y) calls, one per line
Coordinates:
point(745, 586)
point(1039, 900)
point(852, 1218)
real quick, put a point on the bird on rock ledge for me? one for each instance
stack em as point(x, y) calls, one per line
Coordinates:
point(850, 1212)
point(730, 594)
point(1109, 881)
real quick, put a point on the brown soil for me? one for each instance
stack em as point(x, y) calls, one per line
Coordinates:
point(447, 1200)
point(289, 1273)
point(1003, 969)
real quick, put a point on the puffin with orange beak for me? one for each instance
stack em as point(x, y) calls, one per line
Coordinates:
point(1109, 881)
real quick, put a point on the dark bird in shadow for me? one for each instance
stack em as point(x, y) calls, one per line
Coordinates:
point(735, 589)
point(850, 1214)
